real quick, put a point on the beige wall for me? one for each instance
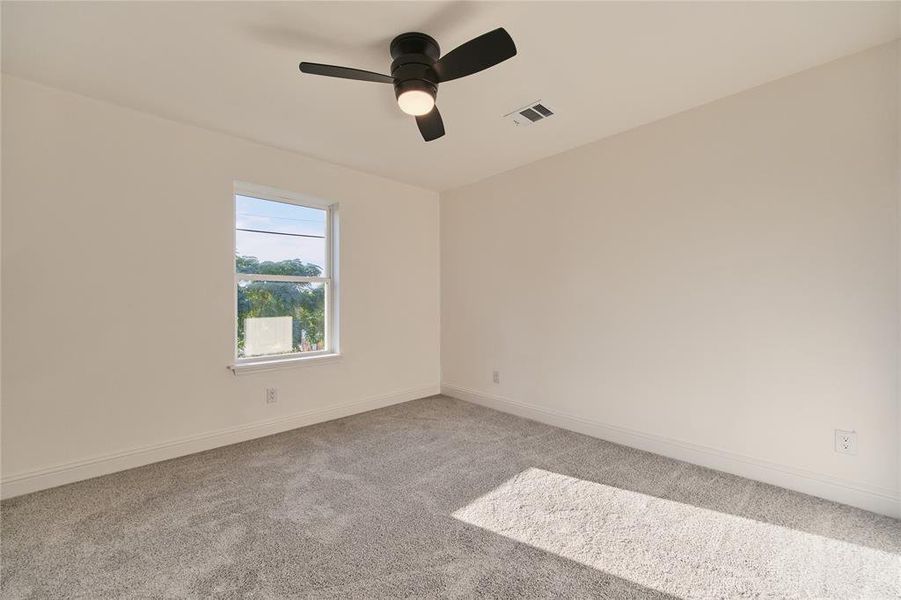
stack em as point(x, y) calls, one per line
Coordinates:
point(721, 285)
point(117, 280)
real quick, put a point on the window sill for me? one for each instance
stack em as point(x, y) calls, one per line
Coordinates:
point(258, 366)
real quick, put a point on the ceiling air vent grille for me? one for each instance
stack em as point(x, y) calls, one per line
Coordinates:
point(529, 114)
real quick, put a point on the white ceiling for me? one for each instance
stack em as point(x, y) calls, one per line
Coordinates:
point(604, 67)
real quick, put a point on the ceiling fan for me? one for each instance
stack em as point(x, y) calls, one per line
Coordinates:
point(417, 70)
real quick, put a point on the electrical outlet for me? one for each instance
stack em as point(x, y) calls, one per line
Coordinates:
point(845, 442)
point(271, 395)
point(496, 376)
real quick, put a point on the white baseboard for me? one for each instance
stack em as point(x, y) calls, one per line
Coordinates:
point(868, 497)
point(32, 481)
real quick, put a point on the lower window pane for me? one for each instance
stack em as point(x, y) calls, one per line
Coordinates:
point(276, 317)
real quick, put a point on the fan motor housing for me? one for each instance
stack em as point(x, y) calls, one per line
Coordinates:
point(415, 43)
point(413, 67)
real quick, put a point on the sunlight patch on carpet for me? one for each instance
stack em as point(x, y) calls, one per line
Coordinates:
point(677, 548)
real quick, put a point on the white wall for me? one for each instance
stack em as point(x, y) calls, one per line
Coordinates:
point(117, 279)
point(720, 286)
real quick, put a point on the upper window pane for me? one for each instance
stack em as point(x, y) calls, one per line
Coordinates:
point(278, 238)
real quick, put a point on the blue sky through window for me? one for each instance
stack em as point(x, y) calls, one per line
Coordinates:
point(279, 218)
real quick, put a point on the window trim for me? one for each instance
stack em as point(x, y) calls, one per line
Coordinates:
point(329, 280)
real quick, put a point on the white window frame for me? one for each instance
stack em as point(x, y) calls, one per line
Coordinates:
point(328, 279)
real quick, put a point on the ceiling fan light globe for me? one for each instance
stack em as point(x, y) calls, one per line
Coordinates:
point(416, 102)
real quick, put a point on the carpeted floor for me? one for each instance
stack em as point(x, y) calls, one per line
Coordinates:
point(439, 498)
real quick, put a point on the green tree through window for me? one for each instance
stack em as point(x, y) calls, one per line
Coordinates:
point(303, 301)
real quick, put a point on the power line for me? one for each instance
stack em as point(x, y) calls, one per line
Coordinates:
point(304, 235)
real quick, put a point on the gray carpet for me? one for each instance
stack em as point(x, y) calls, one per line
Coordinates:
point(437, 498)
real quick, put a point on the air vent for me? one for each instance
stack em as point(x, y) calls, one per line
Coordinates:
point(531, 113)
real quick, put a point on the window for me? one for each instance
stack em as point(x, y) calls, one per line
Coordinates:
point(284, 276)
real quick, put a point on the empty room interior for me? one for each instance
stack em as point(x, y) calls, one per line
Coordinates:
point(622, 320)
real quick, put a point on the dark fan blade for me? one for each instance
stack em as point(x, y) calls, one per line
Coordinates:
point(476, 55)
point(430, 125)
point(344, 72)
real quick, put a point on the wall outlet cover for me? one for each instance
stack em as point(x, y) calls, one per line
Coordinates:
point(845, 441)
